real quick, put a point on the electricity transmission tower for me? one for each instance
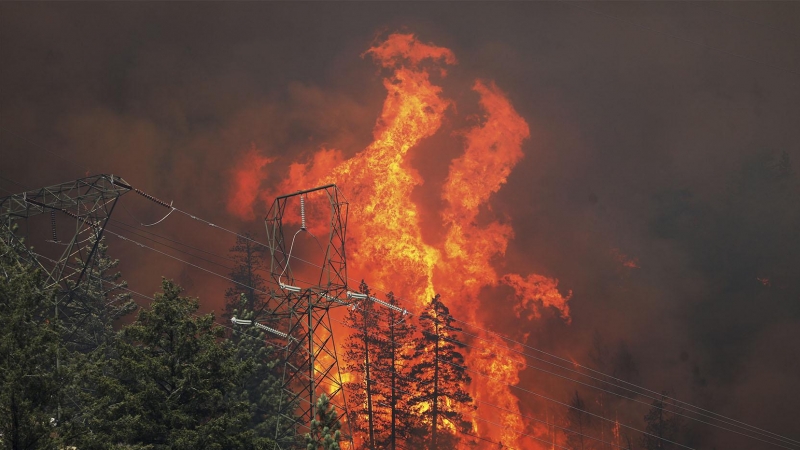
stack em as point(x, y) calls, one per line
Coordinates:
point(88, 202)
point(299, 310)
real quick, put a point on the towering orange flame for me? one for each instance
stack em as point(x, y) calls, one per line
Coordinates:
point(385, 238)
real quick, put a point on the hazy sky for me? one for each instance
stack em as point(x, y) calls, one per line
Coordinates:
point(662, 134)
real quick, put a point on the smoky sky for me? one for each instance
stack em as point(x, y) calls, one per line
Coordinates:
point(664, 135)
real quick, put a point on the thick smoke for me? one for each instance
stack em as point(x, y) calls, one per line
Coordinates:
point(659, 183)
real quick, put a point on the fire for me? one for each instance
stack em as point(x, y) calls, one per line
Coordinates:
point(625, 260)
point(385, 239)
point(246, 181)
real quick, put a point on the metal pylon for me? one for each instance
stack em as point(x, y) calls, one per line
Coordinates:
point(299, 310)
point(88, 202)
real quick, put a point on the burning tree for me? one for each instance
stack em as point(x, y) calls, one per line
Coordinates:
point(440, 373)
point(395, 352)
point(379, 355)
point(380, 179)
point(360, 354)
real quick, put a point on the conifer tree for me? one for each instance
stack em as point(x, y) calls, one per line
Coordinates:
point(662, 427)
point(441, 375)
point(361, 360)
point(30, 339)
point(325, 431)
point(102, 297)
point(395, 351)
point(172, 384)
point(248, 264)
point(262, 388)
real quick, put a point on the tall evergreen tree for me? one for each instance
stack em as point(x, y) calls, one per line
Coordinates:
point(262, 388)
point(662, 427)
point(361, 360)
point(30, 340)
point(441, 375)
point(395, 352)
point(248, 265)
point(102, 298)
point(325, 431)
point(172, 384)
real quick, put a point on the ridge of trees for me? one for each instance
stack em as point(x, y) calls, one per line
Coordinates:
point(172, 379)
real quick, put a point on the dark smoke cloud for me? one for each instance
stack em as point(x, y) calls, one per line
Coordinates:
point(662, 133)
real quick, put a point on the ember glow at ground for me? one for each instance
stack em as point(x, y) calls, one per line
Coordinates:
point(592, 179)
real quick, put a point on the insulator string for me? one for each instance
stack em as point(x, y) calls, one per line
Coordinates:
point(150, 197)
point(53, 225)
point(302, 213)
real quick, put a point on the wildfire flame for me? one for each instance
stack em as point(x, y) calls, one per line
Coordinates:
point(385, 239)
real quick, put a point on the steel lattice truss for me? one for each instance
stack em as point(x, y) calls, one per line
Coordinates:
point(302, 314)
point(88, 202)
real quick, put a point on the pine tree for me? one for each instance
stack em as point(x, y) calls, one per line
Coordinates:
point(248, 264)
point(30, 339)
point(262, 388)
point(361, 361)
point(102, 298)
point(662, 427)
point(172, 384)
point(578, 422)
point(325, 428)
point(395, 351)
point(441, 374)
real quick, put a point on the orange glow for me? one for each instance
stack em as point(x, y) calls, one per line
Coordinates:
point(246, 181)
point(625, 260)
point(535, 292)
point(385, 238)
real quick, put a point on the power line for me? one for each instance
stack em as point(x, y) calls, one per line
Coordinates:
point(480, 374)
point(244, 285)
point(499, 425)
point(174, 241)
point(221, 276)
point(179, 250)
point(662, 396)
point(619, 379)
point(466, 323)
point(678, 413)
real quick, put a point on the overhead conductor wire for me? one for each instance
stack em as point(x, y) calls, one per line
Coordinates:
point(447, 362)
point(472, 325)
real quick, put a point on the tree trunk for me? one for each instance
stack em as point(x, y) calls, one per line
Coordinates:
point(392, 436)
point(369, 385)
point(435, 406)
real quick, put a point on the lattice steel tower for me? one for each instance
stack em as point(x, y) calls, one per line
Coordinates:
point(89, 202)
point(299, 310)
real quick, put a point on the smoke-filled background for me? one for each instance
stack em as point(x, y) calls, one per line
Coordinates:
point(659, 184)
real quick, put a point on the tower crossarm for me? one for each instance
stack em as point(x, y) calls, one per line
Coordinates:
point(82, 197)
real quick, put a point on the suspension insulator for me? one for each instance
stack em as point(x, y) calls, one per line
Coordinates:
point(151, 198)
point(302, 213)
point(53, 224)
